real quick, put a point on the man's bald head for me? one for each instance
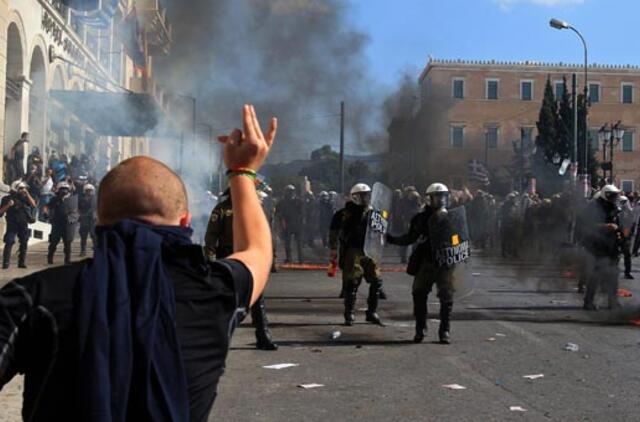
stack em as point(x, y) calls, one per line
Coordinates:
point(144, 189)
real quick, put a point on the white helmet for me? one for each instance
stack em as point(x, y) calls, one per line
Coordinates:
point(63, 185)
point(610, 193)
point(262, 195)
point(89, 187)
point(359, 193)
point(18, 184)
point(290, 188)
point(623, 200)
point(437, 188)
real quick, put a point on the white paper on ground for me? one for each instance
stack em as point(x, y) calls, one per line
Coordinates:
point(281, 365)
point(455, 387)
point(533, 377)
point(310, 386)
point(517, 409)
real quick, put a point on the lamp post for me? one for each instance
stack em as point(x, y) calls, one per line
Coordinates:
point(558, 24)
point(609, 135)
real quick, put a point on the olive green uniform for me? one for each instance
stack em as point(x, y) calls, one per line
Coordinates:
point(348, 230)
point(218, 245)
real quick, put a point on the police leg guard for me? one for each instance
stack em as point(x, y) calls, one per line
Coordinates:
point(83, 243)
point(444, 333)
point(372, 302)
point(6, 255)
point(350, 291)
point(381, 293)
point(22, 254)
point(50, 253)
point(261, 324)
point(67, 253)
point(420, 314)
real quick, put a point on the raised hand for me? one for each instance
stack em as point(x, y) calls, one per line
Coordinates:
point(248, 148)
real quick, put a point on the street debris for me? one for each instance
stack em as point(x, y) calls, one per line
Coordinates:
point(533, 377)
point(571, 347)
point(635, 322)
point(316, 350)
point(310, 386)
point(500, 335)
point(517, 409)
point(624, 293)
point(281, 366)
point(455, 387)
point(491, 339)
point(476, 274)
point(335, 334)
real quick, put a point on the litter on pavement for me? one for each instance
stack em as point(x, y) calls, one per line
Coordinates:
point(281, 365)
point(500, 335)
point(310, 386)
point(491, 339)
point(533, 377)
point(455, 387)
point(624, 293)
point(517, 409)
point(335, 334)
point(571, 347)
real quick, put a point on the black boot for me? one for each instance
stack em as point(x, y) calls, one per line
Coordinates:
point(261, 324)
point(382, 294)
point(22, 256)
point(372, 303)
point(445, 317)
point(420, 314)
point(349, 303)
point(6, 255)
point(50, 253)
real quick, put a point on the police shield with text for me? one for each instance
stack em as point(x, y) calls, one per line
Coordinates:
point(442, 241)
point(349, 230)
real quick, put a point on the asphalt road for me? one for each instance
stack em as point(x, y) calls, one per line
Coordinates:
point(511, 319)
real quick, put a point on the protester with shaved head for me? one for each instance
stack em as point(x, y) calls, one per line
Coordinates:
point(141, 331)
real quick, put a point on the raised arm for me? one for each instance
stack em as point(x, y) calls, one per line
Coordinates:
point(246, 150)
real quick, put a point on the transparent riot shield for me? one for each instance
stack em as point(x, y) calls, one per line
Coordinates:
point(449, 236)
point(381, 199)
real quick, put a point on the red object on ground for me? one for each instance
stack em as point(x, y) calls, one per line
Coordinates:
point(333, 268)
point(635, 322)
point(624, 293)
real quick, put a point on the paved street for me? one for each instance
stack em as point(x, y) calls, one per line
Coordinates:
point(511, 319)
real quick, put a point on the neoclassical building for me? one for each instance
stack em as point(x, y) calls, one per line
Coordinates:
point(80, 82)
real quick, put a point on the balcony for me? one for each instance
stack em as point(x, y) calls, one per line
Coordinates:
point(153, 18)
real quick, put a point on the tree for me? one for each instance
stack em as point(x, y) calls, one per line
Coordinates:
point(547, 125)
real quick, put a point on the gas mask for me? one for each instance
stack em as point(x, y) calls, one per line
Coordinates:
point(363, 198)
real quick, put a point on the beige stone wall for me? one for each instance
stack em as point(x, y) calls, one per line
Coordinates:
point(4, 13)
point(439, 110)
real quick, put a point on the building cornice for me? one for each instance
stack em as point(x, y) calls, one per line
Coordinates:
point(527, 65)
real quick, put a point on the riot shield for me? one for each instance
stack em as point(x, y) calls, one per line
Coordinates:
point(449, 236)
point(381, 198)
point(70, 205)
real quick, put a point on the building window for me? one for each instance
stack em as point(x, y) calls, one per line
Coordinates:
point(627, 186)
point(492, 89)
point(594, 93)
point(526, 90)
point(457, 136)
point(458, 88)
point(592, 134)
point(526, 137)
point(492, 137)
point(627, 141)
point(559, 89)
point(627, 93)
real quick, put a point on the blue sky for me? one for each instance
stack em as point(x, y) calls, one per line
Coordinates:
point(404, 32)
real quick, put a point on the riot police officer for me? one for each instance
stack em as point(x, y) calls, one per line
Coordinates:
point(348, 230)
point(18, 209)
point(602, 239)
point(219, 245)
point(422, 265)
point(87, 208)
point(63, 211)
point(290, 213)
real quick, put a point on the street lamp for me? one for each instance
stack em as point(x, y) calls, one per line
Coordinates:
point(558, 24)
point(609, 136)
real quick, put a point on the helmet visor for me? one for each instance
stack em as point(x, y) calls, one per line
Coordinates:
point(439, 200)
point(362, 198)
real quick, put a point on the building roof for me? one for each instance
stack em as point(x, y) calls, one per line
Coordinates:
point(527, 65)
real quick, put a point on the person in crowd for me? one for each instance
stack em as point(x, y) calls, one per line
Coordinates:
point(87, 208)
point(219, 245)
point(601, 238)
point(140, 332)
point(18, 155)
point(346, 242)
point(626, 227)
point(289, 215)
point(34, 182)
point(18, 209)
point(63, 215)
point(326, 209)
point(422, 265)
